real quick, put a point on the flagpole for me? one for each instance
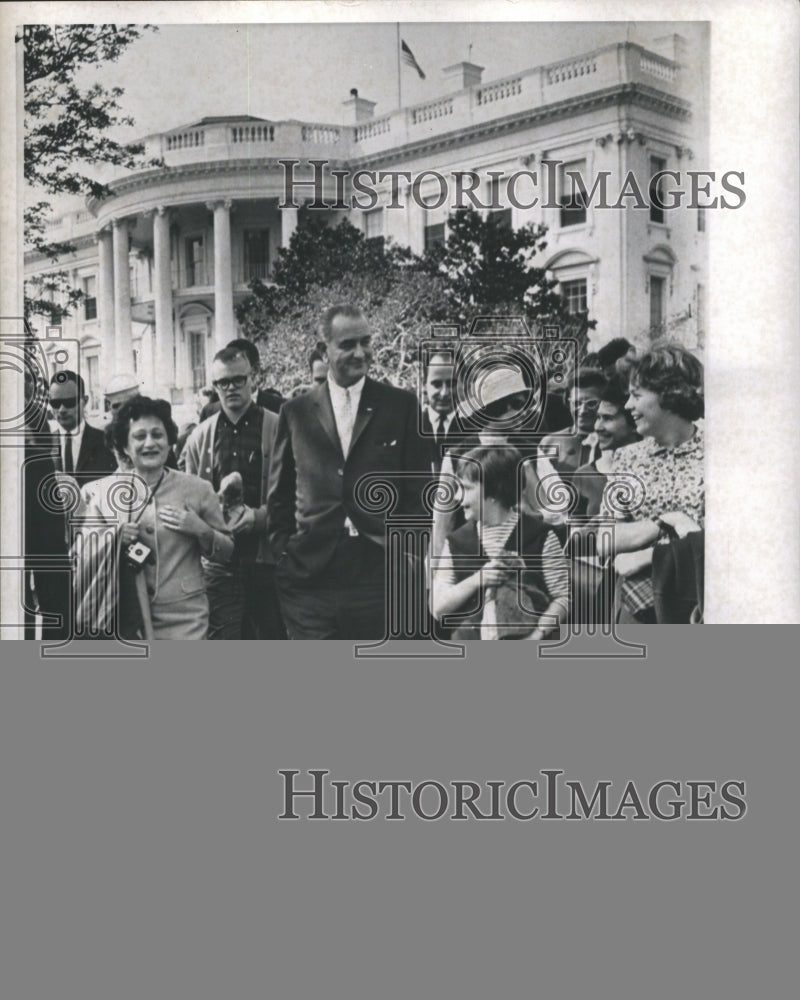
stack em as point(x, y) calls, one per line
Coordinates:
point(399, 85)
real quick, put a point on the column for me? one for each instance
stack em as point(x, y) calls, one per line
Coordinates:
point(162, 290)
point(416, 220)
point(122, 297)
point(105, 305)
point(288, 224)
point(223, 277)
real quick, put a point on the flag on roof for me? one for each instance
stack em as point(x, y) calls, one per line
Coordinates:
point(408, 58)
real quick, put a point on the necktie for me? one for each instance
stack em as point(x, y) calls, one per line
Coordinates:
point(440, 429)
point(349, 420)
point(69, 467)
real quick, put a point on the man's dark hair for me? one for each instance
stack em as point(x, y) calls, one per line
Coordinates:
point(616, 393)
point(249, 349)
point(135, 409)
point(611, 352)
point(229, 354)
point(342, 309)
point(60, 378)
point(498, 468)
point(587, 378)
point(676, 375)
point(446, 354)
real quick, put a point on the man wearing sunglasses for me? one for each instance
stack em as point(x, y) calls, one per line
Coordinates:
point(81, 450)
point(239, 438)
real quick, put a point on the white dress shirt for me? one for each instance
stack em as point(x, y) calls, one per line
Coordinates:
point(434, 416)
point(345, 407)
point(77, 438)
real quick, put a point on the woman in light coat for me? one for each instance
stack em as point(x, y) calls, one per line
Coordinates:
point(176, 518)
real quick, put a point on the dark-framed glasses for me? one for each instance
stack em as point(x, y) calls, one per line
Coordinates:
point(234, 382)
point(68, 404)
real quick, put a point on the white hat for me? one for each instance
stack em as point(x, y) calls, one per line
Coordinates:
point(493, 384)
point(121, 383)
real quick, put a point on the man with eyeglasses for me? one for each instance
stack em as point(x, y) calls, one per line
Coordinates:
point(268, 399)
point(81, 451)
point(47, 591)
point(238, 439)
point(567, 450)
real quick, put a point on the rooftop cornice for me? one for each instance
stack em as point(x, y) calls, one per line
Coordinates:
point(627, 93)
point(145, 179)
point(623, 94)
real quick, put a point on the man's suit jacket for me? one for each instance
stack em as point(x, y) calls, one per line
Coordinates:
point(312, 486)
point(94, 459)
point(197, 458)
point(456, 439)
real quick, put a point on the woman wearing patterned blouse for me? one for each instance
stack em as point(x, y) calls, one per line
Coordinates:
point(503, 570)
point(666, 397)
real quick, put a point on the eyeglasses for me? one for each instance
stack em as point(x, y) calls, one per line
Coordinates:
point(234, 382)
point(68, 404)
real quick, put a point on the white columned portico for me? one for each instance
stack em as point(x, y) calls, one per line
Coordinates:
point(123, 352)
point(288, 224)
point(223, 275)
point(105, 305)
point(416, 218)
point(162, 291)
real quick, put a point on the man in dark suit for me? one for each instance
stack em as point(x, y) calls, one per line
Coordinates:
point(47, 589)
point(81, 449)
point(330, 550)
point(439, 418)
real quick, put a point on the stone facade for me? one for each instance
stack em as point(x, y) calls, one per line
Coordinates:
point(165, 258)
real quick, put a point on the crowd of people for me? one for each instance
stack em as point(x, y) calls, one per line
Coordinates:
point(267, 518)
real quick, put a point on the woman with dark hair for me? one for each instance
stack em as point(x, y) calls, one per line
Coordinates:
point(165, 521)
point(503, 568)
point(666, 398)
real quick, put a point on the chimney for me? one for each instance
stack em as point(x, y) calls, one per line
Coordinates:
point(671, 46)
point(461, 75)
point(360, 110)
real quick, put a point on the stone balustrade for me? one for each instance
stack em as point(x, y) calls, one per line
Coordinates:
point(218, 139)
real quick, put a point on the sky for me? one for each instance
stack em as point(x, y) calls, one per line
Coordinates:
point(179, 74)
point(182, 73)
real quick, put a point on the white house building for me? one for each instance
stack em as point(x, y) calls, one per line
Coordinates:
point(165, 258)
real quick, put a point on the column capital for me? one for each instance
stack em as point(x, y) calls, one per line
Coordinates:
point(123, 221)
point(160, 212)
point(225, 203)
point(104, 232)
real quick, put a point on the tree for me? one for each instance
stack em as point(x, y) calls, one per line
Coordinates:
point(484, 269)
point(67, 134)
point(399, 316)
point(324, 264)
point(490, 269)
